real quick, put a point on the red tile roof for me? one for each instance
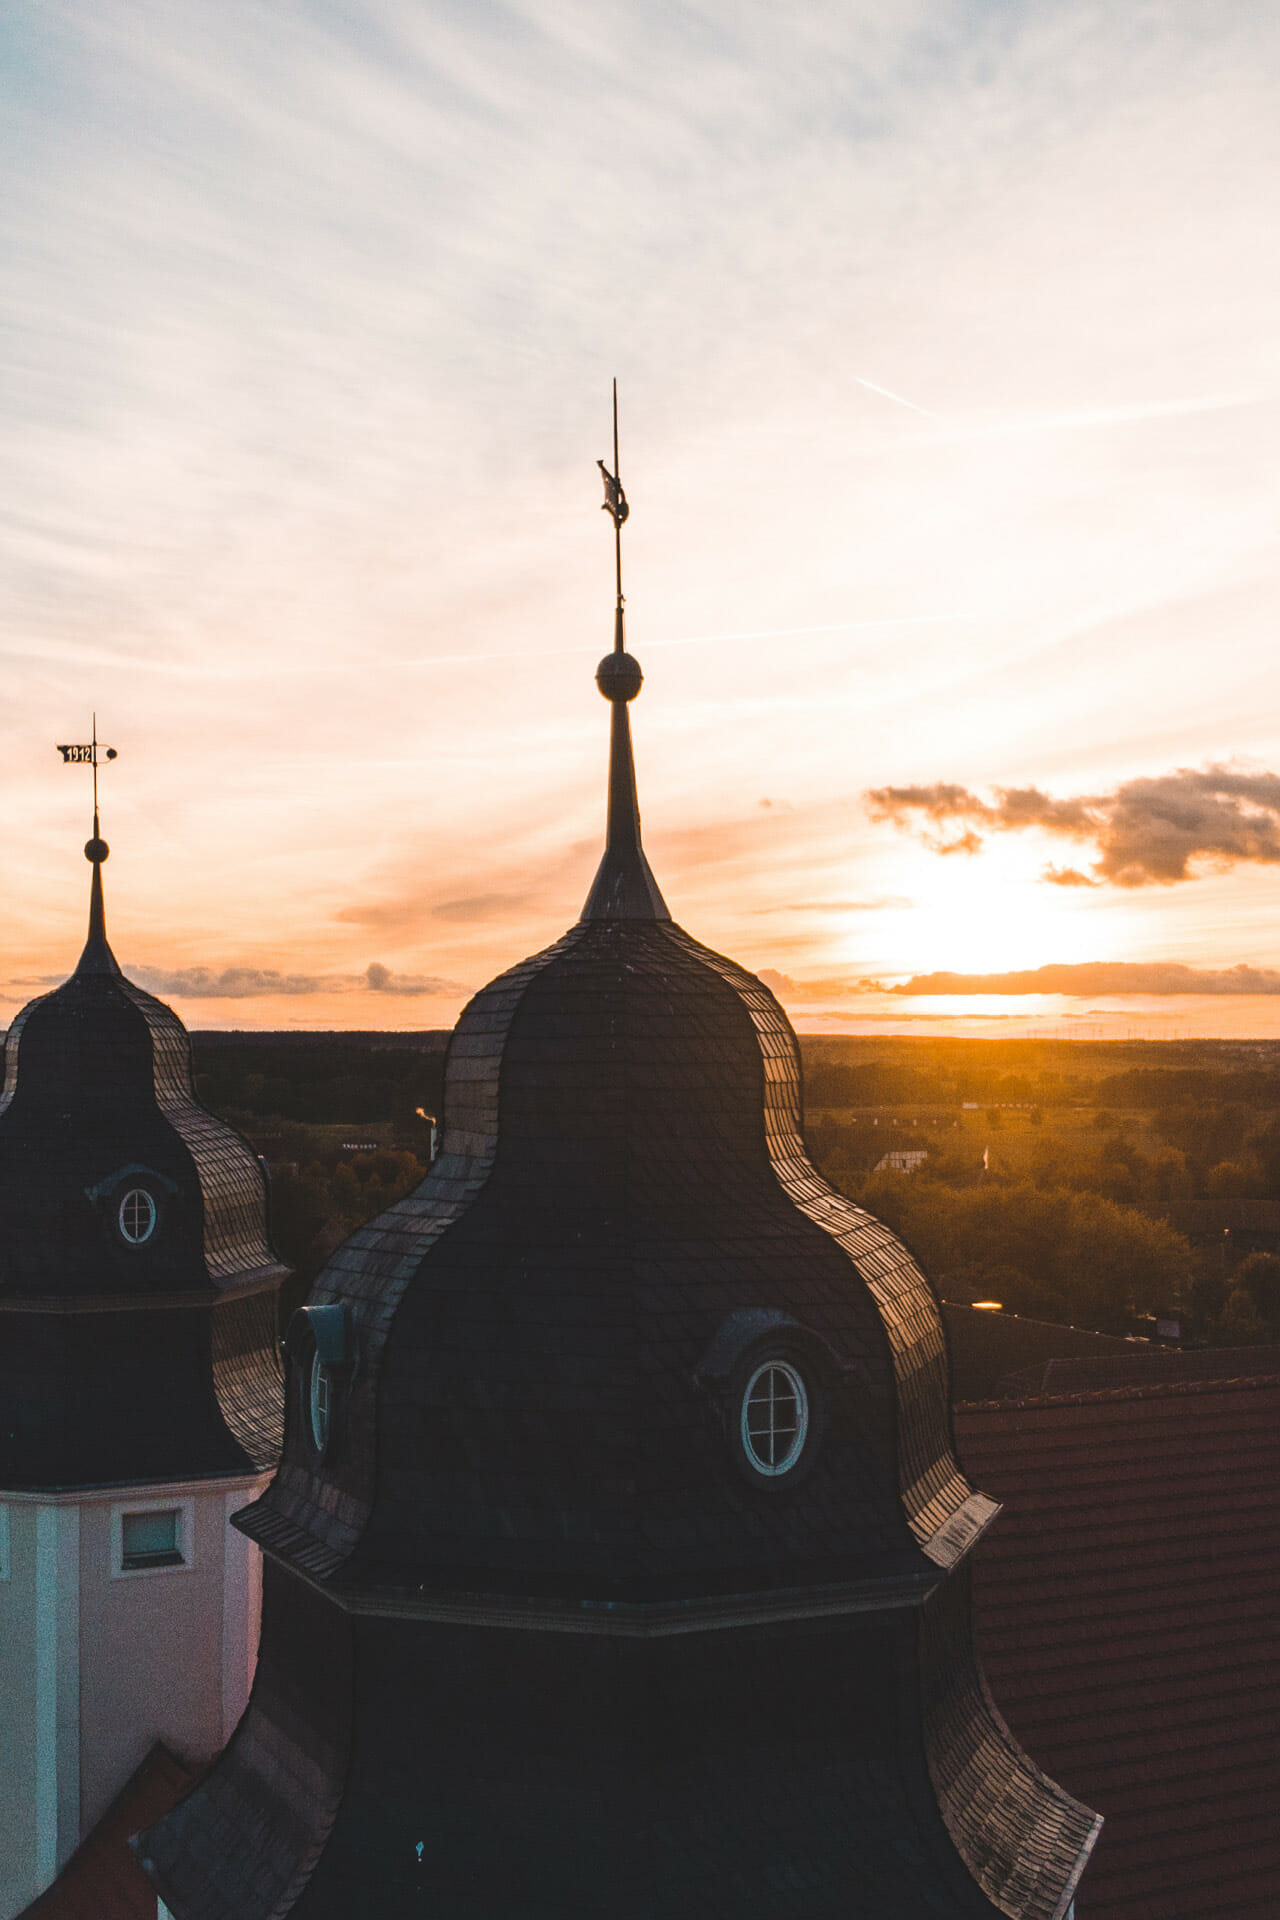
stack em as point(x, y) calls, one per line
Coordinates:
point(102, 1880)
point(1127, 1611)
point(1139, 1367)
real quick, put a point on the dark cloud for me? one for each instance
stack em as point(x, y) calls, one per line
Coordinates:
point(1096, 978)
point(228, 983)
point(1147, 832)
point(252, 983)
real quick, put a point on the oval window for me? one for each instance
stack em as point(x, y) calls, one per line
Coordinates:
point(775, 1418)
point(319, 1404)
point(137, 1216)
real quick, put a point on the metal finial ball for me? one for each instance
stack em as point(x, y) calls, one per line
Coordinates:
point(96, 850)
point(619, 677)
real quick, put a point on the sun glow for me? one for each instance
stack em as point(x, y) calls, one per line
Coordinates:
point(991, 913)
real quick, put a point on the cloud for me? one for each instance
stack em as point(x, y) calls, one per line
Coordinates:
point(230, 983)
point(315, 352)
point(380, 979)
point(775, 981)
point(1100, 977)
point(252, 983)
point(1156, 831)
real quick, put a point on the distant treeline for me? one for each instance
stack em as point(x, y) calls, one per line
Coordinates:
point(320, 1079)
point(938, 1073)
point(361, 1078)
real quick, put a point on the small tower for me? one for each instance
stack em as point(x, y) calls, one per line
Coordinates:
point(616, 1559)
point(139, 1406)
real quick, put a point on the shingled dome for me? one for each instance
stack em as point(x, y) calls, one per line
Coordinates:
point(135, 1266)
point(623, 1573)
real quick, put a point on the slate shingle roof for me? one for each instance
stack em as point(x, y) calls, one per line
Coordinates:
point(1126, 1604)
point(622, 1170)
point(127, 1362)
point(536, 1643)
point(97, 1077)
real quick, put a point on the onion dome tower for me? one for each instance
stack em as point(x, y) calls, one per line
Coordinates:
point(615, 1562)
point(139, 1405)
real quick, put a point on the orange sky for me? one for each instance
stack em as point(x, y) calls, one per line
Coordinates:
point(947, 343)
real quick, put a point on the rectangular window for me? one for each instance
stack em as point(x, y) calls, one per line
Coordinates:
point(151, 1539)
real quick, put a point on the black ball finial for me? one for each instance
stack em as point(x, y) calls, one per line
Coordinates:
point(96, 850)
point(619, 677)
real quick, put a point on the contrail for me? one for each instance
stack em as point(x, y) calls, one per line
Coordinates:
point(689, 640)
point(871, 387)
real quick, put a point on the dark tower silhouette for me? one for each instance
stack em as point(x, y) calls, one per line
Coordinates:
point(139, 1392)
point(615, 1563)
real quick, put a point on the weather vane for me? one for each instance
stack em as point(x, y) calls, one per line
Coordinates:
point(91, 755)
point(615, 505)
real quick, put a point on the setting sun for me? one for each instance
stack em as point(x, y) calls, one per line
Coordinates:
point(988, 912)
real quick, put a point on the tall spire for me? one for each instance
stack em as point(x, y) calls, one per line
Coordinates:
point(624, 887)
point(97, 956)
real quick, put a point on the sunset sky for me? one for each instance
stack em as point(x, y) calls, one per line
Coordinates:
point(948, 343)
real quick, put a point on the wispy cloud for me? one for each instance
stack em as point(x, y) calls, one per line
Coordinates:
point(897, 398)
point(1086, 419)
point(309, 315)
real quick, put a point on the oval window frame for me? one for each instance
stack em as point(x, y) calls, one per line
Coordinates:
point(319, 1405)
point(775, 1469)
point(131, 1194)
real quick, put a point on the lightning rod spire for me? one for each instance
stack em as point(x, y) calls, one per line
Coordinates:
point(624, 887)
point(97, 956)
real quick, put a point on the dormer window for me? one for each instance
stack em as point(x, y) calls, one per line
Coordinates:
point(136, 1216)
point(774, 1419)
point(774, 1384)
point(133, 1203)
point(319, 1349)
point(319, 1407)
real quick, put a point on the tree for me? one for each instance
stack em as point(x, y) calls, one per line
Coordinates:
point(1060, 1254)
point(1234, 1179)
point(1259, 1276)
point(1240, 1324)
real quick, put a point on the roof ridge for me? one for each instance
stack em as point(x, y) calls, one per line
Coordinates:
point(1148, 1390)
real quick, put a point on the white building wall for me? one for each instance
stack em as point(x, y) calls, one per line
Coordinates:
point(241, 1618)
point(97, 1664)
point(18, 1882)
point(57, 1689)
